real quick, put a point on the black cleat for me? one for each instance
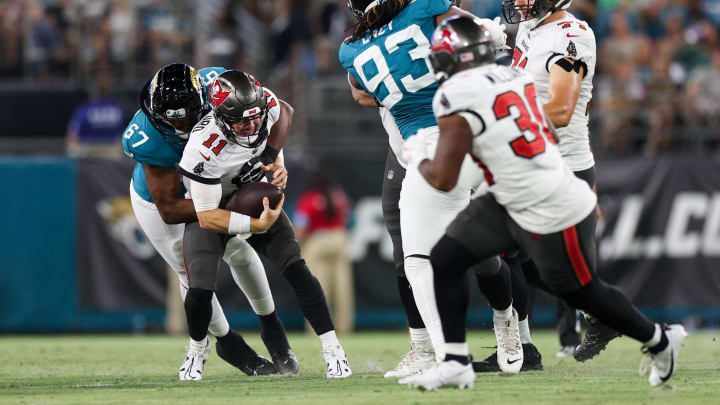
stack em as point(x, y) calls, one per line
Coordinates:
point(597, 337)
point(273, 335)
point(233, 349)
point(532, 361)
point(285, 361)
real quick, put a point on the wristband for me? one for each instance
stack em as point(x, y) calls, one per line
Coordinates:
point(239, 223)
point(268, 156)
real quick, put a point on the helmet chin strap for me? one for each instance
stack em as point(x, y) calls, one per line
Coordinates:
point(533, 23)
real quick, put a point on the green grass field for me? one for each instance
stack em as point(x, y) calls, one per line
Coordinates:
point(143, 370)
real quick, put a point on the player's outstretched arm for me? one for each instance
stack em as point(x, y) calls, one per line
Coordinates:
point(455, 140)
point(164, 186)
point(563, 90)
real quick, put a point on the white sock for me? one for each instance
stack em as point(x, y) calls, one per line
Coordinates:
point(420, 276)
point(457, 349)
point(525, 331)
point(329, 339)
point(419, 335)
point(504, 314)
point(198, 346)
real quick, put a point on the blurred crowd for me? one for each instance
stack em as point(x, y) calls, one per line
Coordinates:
point(657, 83)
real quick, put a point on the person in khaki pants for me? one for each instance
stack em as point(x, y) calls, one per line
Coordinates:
point(320, 221)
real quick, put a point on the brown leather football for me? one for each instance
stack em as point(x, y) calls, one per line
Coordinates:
point(248, 199)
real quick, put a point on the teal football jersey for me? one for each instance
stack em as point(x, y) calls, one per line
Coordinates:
point(392, 65)
point(142, 142)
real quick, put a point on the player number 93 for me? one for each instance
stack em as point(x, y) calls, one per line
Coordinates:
point(374, 54)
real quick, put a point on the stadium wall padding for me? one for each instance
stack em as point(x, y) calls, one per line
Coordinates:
point(37, 244)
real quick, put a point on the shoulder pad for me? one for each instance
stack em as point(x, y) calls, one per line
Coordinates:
point(142, 142)
point(575, 40)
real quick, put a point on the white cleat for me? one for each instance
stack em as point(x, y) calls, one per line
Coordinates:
point(446, 374)
point(509, 348)
point(662, 365)
point(420, 357)
point(565, 351)
point(337, 363)
point(192, 367)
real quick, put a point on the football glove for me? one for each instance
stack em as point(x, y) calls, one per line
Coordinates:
point(249, 173)
point(497, 31)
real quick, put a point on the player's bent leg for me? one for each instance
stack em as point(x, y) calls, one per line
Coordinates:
point(420, 276)
point(202, 253)
point(493, 277)
point(199, 311)
point(280, 245)
point(450, 260)
point(613, 308)
point(566, 263)
point(249, 274)
point(167, 239)
point(422, 353)
point(424, 215)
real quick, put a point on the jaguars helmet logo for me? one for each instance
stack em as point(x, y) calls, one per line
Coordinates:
point(195, 78)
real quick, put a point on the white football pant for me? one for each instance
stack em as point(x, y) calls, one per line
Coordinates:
point(425, 213)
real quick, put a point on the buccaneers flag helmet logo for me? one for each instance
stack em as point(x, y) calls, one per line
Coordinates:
point(217, 94)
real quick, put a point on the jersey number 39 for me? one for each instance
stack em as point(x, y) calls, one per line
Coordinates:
point(525, 122)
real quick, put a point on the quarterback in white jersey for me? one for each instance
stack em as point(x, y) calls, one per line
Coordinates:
point(492, 113)
point(231, 146)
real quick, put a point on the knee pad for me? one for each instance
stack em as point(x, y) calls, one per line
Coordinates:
point(450, 254)
point(488, 267)
point(198, 296)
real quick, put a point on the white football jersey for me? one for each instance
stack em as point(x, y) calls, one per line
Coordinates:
point(513, 145)
point(394, 136)
point(210, 158)
point(536, 51)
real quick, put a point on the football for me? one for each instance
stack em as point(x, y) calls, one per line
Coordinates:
point(248, 199)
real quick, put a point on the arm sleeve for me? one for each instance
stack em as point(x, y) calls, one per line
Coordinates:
point(206, 197)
